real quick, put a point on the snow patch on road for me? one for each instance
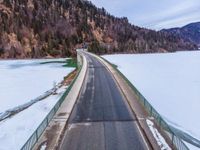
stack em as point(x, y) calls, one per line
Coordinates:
point(159, 139)
point(44, 146)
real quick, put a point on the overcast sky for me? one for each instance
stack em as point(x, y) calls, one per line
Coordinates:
point(154, 14)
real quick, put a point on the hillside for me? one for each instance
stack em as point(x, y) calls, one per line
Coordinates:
point(54, 28)
point(190, 32)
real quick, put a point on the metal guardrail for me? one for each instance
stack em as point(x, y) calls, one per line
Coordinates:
point(176, 142)
point(38, 132)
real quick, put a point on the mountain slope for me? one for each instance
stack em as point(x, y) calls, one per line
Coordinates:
point(32, 28)
point(190, 32)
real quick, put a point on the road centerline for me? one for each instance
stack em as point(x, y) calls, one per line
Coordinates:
point(101, 115)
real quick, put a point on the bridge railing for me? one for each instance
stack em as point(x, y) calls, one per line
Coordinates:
point(38, 132)
point(176, 142)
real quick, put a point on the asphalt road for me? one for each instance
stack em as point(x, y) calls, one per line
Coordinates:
point(101, 118)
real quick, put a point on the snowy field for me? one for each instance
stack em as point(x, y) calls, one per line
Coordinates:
point(170, 82)
point(21, 81)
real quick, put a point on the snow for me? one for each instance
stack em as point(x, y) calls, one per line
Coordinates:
point(170, 82)
point(43, 147)
point(159, 139)
point(17, 109)
point(22, 81)
point(16, 131)
point(191, 147)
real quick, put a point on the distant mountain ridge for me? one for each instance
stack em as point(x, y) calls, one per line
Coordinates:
point(190, 32)
point(54, 28)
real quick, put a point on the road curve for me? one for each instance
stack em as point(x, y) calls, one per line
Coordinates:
point(101, 118)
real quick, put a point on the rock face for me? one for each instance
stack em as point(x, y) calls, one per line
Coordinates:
point(190, 32)
point(40, 28)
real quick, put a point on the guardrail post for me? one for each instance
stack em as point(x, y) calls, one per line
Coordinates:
point(159, 121)
point(46, 121)
point(36, 133)
point(151, 111)
point(144, 102)
point(172, 140)
point(54, 109)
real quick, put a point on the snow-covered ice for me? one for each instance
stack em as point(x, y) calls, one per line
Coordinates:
point(170, 82)
point(22, 81)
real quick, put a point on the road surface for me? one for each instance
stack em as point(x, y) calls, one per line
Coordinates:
point(101, 118)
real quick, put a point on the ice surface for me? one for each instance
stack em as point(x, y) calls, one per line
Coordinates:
point(22, 81)
point(170, 82)
point(15, 131)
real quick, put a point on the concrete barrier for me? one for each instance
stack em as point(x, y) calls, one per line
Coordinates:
point(52, 135)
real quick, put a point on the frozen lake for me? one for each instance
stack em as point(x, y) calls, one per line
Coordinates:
point(22, 81)
point(170, 82)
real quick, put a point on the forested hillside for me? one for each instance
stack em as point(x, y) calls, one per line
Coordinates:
point(54, 28)
point(190, 32)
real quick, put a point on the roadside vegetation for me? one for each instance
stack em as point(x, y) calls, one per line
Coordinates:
point(36, 29)
point(70, 62)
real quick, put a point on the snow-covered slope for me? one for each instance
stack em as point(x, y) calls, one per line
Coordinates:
point(170, 82)
point(20, 82)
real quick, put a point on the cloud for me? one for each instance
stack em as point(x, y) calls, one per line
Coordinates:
point(177, 21)
point(154, 14)
point(177, 15)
